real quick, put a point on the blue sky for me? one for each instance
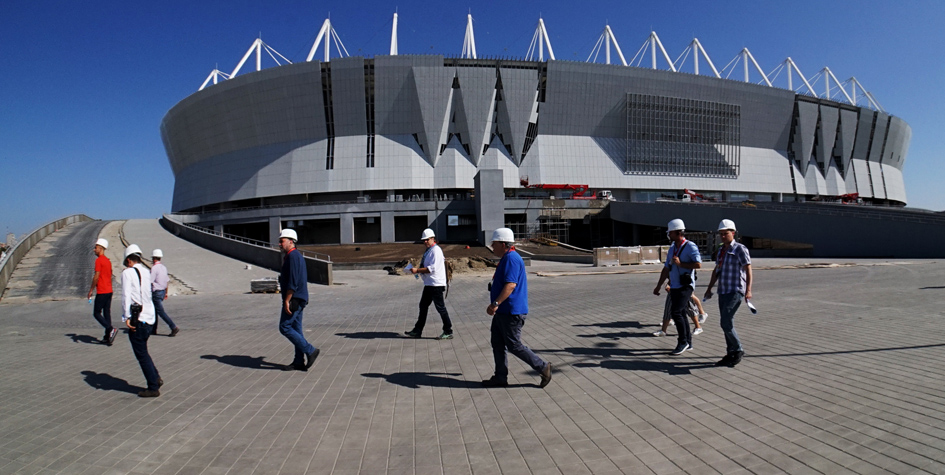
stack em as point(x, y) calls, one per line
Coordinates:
point(85, 85)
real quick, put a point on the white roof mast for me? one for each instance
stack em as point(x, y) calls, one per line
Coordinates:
point(393, 37)
point(541, 38)
point(327, 33)
point(606, 37)
point(469, 42)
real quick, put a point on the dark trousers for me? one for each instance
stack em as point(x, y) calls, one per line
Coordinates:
point(678, 303)
point(434, 295)
point(139, 344)
point(102, 311)
point(158, 298)
point(507, 335)
point(290, 325)
point(728, 305)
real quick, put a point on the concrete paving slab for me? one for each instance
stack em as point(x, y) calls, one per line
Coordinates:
point(842, 374)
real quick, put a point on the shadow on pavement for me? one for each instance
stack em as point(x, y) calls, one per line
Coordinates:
point(435, 380)
point(76, 338)
point(928, 288)
point(369, 335)
point(108, 382)
point(615, 325)
point(647, 365)
point(244, 361)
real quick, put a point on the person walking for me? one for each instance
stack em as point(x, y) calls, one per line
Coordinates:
point(138, 314)
point(682, 260)
point(433, 271)
point(102, 288)
point(159, 282)
point(694, 311)
point(508, 309)
point(733, 273)
point(293, 280)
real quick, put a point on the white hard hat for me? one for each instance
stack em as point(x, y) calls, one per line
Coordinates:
point(132, 249)
point(102, 242)
point(676, 225)
point(157, 253)
point(503, 235)
point(289, 233)
point(727, 224)
point(427, 234)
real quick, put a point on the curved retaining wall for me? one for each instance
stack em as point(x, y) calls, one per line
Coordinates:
point(319, 270)
point(21, 248)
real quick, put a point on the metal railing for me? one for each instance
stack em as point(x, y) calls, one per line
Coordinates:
point(254, 242)
point(13, 256)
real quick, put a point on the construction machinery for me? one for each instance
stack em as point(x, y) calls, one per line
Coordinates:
point(578, 192)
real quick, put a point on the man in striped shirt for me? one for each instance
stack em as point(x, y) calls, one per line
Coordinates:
point(733, 273)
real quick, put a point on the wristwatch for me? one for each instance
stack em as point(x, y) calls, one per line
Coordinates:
point(495, 303)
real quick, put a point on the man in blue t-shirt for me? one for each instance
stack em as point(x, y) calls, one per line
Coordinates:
point(293, 280)
point(681, 263)
point(508, 308)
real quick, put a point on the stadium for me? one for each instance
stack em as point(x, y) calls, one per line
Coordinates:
point(361, 150)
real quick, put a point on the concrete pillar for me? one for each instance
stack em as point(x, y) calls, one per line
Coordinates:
point(275, 228)
point(387, 226)
point(490, 203)
point(218, 229)
point(347, 228)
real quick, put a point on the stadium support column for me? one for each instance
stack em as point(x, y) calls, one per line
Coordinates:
point(275, 228)
point(490, 203)
point(347, 228)
point(387, 226)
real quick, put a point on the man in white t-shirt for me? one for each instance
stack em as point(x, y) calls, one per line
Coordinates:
point(432, 269)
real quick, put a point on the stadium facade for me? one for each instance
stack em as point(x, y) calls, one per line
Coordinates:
point(375, 149)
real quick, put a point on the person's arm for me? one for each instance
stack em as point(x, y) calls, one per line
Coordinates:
point(288, 298)
point(126, 292)
point(663, 276)
point(712, 279)
point(507, 290)
point(747, 268)
point(95, 277)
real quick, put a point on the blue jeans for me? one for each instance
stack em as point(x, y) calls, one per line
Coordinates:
point(728, 305)
point(102, 311)
point(139, 344)
point(158, 298)
point(290, 325)
point(679, 302)
point(507, 335)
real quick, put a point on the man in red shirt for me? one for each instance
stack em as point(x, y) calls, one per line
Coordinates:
point(102, 287)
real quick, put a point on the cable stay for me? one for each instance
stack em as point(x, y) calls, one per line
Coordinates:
point(539, 41)
point(469, 42)
point(606, 38)
point(259, 46)
point(864, 94)
point(696, 47)
point(746, 59)
point(327, 33)
point(652, 42)
point(215, 75)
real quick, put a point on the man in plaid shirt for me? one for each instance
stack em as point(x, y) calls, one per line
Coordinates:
point(733, 273)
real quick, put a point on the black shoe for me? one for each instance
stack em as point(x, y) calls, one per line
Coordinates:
point(294, 367)
point(149, 393)
point(545, 375)
point(681, 349)
point(111, 336)
point(174, 332)
point(311, 358)
point(160, 382)
point(412, 334)
point(736, 358)
point(725, 360)
point(494, 382)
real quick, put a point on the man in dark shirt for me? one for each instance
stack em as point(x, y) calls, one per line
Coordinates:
point(293, 280)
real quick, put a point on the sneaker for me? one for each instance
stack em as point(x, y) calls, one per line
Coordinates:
point(681, 349)
point(311, 358)
point(725, 360)
point(736, 358)
point(412, 334)
point(445, 336)
point(111, 337)
point(659, 333)
point(175, 331)
point(702, 317)
point(149, 393)
point(696, 331)
point(494, 382)
point(672, 322)
point(545, 375)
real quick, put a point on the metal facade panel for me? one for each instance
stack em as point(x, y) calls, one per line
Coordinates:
point(474, 103)
point(804, 134)
point(519, 92)
point(348, 96)
point(893, 141)
point(879, 137)
point(864, 127)
point(861, 170)
point(434, 90)
point(846, 137)
point(396, 106)
point(895, 187)
point(827, 134)
point(876, 174)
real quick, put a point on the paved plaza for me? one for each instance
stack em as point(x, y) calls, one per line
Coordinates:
point(843, 374)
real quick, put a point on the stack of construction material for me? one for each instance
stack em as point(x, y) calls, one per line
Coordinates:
point(267, 285)
point(606, 256)
point(650, 254)
point(629, 255)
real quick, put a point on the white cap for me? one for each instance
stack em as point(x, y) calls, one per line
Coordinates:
point(503, 235)
point(102, 242)
point(427, 234)
point(727, 224)
point(676, 225)
point(157, 253)
point(289, 233)
point(132, 249)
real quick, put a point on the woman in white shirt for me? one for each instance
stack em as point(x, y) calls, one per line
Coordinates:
point(136, 290)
